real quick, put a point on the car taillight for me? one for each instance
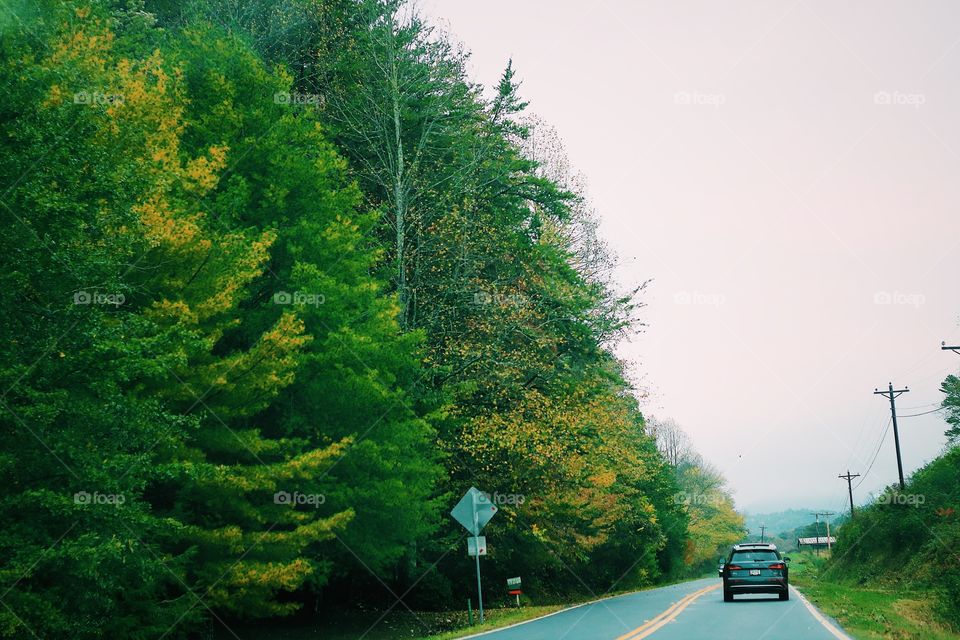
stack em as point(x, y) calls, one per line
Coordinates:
point(734, 567)
point(778, 565)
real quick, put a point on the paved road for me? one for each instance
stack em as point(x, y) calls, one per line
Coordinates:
point(689, 611)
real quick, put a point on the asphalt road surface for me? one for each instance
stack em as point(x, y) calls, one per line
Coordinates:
point(688, 611)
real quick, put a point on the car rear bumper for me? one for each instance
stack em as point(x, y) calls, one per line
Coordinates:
point(766, 585)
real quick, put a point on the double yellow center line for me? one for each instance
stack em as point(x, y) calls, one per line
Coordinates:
point(651, 626)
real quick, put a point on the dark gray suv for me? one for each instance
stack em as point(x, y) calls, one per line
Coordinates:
point(755, 567)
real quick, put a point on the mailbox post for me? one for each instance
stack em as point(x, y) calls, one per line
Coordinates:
point(513, 588)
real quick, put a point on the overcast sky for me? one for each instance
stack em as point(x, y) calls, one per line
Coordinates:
point(787, 173)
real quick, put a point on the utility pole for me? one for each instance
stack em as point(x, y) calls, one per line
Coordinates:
point(763, 528)
point(818, 514)
point(849, 477)
point(945, 347)
point(893, 394)
point(816, 544)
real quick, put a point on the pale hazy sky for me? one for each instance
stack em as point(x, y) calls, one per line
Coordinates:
point(780, 169)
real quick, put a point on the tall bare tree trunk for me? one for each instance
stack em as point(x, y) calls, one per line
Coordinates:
point(399, 186)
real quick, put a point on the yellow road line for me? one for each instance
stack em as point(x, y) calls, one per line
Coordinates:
point(671, 613)
point(676, 612)
point(657, 618)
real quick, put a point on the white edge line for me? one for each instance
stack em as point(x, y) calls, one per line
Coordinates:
point(820, 617)
point(577, 606)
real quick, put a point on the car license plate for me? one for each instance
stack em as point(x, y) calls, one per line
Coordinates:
point(754, 572)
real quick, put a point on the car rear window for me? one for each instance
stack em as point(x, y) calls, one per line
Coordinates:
point(754, 556)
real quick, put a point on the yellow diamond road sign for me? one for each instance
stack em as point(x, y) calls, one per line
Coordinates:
point(474, 510)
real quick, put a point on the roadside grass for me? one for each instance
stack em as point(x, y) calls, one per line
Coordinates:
point(497, 618)
point(397, 625)
point(868, 613)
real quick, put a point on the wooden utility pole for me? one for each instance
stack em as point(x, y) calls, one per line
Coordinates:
point(818, 514)
point(892, 394)
point(849, 477)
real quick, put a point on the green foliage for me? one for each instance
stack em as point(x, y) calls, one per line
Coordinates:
point(172, 392)
point(909, 537)
point(255, 345)
point(78, 541)
point(951, 387)
point(713, 522)
point(353, 376)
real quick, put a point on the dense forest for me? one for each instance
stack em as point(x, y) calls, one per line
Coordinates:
point(281, 282)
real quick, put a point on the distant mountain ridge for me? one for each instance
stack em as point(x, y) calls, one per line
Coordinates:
point(779, 522)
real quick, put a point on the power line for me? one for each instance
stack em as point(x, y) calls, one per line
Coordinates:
point(875, 453)
point(864, 440)
point(914, 415)
point(921, 406)
point(878, 443)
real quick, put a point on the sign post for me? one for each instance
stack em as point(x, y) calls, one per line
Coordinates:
point(473, 512)
point(476, 529)
point(513, 588)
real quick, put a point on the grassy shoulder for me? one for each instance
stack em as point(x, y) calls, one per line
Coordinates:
point(868, 613)
point(398, 624)
point(497, 618)
point(395, 625)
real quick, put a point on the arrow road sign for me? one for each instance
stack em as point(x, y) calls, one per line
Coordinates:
point(474, 511)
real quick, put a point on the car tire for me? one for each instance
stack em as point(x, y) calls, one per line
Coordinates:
point(785, 595)
point(727, 595)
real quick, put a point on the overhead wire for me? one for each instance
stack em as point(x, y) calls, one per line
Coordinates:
point(861, 437)
point(876, 453)
point(920, 406)
point(914, 415)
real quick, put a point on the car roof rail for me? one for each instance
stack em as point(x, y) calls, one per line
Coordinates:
point(755, 545)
